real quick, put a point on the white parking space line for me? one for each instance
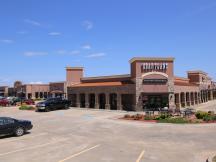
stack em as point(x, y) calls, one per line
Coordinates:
point(140, 156)
point(20, 138)
point(79, 153)
point(31, 148)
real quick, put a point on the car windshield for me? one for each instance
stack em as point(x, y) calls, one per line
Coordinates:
point(53, 99)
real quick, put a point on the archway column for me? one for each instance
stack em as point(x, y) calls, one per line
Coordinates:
point(78, 100)
point(198, 98)
point(202, 97)
point(178, 100)
point(107, 105)
point(96, 101)
point(188, 98)
point(211, 95)
point(196, 102)
point(119, 102)
point(207, 98)
point(87, 100)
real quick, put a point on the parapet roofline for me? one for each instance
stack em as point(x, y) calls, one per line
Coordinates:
point(35, 84)
point(107, 77)
point(197, 72)
point(152, 59)
point(180, 78)
point(74, 68)
point(57, 82)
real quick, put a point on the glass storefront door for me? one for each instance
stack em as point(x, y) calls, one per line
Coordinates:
point(154, 102)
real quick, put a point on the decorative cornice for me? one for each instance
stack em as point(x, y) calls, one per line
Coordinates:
point(152, 59)
point(74, 68)
point(107, 77)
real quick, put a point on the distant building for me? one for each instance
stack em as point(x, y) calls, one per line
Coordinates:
point(35, 91)
point(3, 91)
point(58, 89)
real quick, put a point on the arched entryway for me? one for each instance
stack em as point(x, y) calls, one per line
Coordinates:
point(91, 100)
point(73, 99)
point(102, 101)
point(127, 102)
point(82, 100)
point(113, 101)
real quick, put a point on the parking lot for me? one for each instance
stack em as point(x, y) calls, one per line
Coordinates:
point(81, 135)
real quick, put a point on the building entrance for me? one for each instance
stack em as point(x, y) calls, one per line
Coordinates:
point(155, 101)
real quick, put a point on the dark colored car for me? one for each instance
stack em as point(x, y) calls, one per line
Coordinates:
point(29, 102)
point(53, 104)
point(4, 102)
point(10, 126)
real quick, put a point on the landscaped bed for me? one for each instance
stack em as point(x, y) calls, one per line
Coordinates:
point(26, 107)
point(198, 117)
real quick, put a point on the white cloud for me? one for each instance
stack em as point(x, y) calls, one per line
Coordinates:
point(22, 32)
point(88, 25)
point(87, 46)
point(54, 33)
point(32, 22)
point(34, 53)
point(6, 41)
point(38, 82)
point(96, 55)
point(75, 52)
point(65, 52)
point(61, 52)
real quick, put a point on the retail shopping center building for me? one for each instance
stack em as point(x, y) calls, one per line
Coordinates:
point(151, 84)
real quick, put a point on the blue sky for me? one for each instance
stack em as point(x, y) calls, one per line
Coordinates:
point(39, 38)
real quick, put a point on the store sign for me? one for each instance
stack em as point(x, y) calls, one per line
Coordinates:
point(154, 81)
point(154, 66)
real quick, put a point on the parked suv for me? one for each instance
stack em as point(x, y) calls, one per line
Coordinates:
point(53, 104)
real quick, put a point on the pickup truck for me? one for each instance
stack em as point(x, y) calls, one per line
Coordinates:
point(53, 104)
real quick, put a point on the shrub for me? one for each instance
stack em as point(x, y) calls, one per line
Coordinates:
point(209, 118)
point(201, 114)
point(138, 117)
point(24, 107)
point(127, 116)
point(149, 117)
point(163, 116)
point(177, 120)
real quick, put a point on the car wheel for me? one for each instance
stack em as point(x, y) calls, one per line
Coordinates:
point(47, 109)
point(66, 106)
point(19, 131)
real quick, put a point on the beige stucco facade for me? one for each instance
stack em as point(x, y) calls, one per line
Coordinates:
point(150, 84)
